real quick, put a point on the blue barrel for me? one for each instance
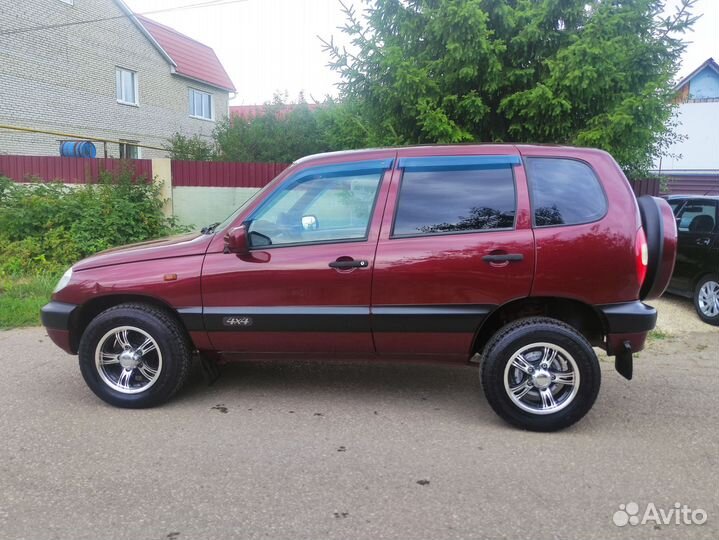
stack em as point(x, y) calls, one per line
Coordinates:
point(78, 149)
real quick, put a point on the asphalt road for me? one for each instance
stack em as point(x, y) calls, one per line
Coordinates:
point(309, 451)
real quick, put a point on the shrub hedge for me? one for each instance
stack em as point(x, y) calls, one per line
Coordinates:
point(45, 227)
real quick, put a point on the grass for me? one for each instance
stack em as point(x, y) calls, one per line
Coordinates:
point(659, 334)
point(22, 297)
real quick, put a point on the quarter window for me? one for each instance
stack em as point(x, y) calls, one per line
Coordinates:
point(564, 192)
point(201, 105)
point(126, 86)
point(320, 209)
point(453, 201)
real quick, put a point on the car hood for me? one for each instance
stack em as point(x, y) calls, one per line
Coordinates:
point(163, 248)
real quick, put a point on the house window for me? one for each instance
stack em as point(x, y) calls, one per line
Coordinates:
point(201, 105)
point(126, 86)
point(129, 150)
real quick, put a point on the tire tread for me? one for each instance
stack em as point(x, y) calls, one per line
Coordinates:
point(180, 340)
point(551, 422)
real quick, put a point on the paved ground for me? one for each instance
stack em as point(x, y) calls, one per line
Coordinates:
point(353, 451)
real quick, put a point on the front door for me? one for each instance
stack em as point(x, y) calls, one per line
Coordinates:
point(696, 232)
point(305, 287)
point(456, 242)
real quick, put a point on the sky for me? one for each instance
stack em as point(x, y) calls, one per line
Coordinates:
point(268, 46)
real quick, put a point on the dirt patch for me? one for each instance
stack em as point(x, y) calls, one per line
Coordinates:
point(677, 316)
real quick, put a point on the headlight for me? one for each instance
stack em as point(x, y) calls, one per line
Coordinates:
point(64, 280)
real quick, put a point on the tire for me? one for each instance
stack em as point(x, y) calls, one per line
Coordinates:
point(571, 359)
point(134, 356)
point(706, 299)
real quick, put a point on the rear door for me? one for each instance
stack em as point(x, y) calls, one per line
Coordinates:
point(697, 231)
point(455, 243)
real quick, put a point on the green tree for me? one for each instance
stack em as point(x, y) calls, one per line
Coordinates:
point(583, 72)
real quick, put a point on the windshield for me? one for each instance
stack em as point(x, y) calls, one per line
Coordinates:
point(227, 221)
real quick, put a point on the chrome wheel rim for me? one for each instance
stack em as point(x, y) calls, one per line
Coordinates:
point(708, 299)
point(128, 359)
point(541, 378)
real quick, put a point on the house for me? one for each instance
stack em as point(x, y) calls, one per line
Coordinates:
point(94, 69)
point(693, 166)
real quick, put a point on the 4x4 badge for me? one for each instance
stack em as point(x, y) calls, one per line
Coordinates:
point(237, 321)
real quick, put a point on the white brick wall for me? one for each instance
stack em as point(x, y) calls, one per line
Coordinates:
point(63, 80)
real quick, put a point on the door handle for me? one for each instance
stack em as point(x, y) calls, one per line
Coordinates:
point(703, 241)
point(504, 257)
point(345, 264)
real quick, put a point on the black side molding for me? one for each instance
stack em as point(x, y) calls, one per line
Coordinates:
point(57, 315)
point(629, 317)
point(433, 318)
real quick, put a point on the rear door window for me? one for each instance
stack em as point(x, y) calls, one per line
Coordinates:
point(455, 201)
point(564, 192)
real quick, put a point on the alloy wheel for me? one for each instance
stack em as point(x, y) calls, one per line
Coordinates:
point(708, 299)
point(541, 378)
point(128, 359)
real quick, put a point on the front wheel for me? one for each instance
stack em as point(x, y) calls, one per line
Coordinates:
point(706, 299)
point(134, 356)
point(540, 374)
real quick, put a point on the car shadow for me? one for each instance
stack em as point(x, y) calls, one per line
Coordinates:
point(444, 389)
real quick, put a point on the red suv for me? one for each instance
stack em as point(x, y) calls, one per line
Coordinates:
point(521, 257)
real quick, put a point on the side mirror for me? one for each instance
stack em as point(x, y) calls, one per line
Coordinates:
point(310, 223)
point(236, 241)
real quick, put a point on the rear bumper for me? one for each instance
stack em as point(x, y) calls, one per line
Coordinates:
point(627, 325)
point(56, 318)
point(629, 317)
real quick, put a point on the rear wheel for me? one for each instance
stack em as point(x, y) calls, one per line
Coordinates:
point(706, 299)
point(540, 374)
point(134, 356)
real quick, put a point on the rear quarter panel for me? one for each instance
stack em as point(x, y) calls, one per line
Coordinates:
point(593, 262)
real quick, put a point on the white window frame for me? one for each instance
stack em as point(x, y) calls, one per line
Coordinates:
point(191, 102)
point(134, 145)
point(118, 86)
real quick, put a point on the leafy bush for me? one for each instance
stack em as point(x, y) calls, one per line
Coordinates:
point(45, 227)
point(195, 147)
point(281, 134)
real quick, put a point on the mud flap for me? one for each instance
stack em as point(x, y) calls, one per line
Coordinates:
point(210, 369)
point(623, 361)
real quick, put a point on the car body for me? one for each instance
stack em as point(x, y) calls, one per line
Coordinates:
point(400, 253)
point(696, 272)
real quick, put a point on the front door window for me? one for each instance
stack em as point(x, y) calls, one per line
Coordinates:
point(316, 210)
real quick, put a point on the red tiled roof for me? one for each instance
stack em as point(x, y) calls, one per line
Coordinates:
point(194, 59)
point(248, 112)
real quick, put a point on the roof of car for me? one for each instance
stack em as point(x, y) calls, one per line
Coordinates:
point(445, 149)
point(681, 197)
